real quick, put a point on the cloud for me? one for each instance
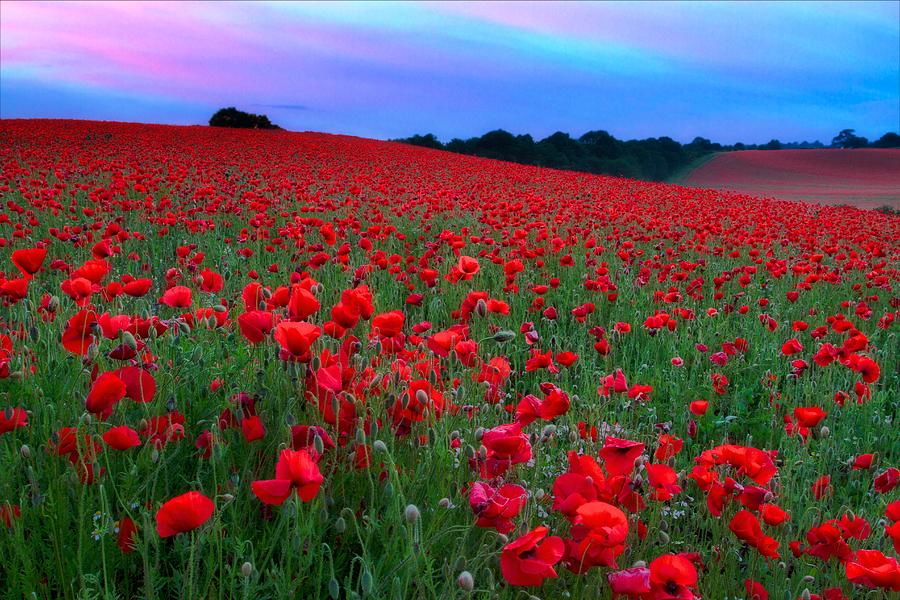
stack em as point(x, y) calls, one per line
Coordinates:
point(458, 69)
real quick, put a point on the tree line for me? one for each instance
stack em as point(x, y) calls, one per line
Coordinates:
point(655, 159)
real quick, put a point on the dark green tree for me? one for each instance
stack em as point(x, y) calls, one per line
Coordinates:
point(234, 118)
point(888, 140)
point(848, 139)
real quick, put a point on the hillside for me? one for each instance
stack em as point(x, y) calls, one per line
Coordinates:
point(867, 178)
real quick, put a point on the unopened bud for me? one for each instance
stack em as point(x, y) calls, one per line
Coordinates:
point(365, 582)
point(466, 581)
point(246, 569)
point(411, 514)
point(503, 336)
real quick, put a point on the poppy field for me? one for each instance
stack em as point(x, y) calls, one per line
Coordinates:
point(254, 364)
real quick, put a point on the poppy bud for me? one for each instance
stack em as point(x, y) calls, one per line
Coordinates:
point(315, 363)
point(340, 525)
point(825, 432)
point(503, 336)
point(388, 490)
point(360, 436)
point(805, 595)
point(92, 352)
point(379, 446)
point(25, 451)
point(539, 494)
point(319, 444)
point(53, 304)
point(808, 579)
point(481, 307)
point(466, 581)
point(334, 589)
point(444, 502)
point(365, 582)
point(663, 538)
point(479, 433)
point(502, 539)
point(154, 456)
point(421, 397)
point(246, 569)
point(411, 514)
point(227, 498)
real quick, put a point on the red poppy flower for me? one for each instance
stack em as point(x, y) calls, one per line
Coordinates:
point(183, 513)
point(122, 437)
point(177, 297)
point(106, 391)
point(127, 534)
point(12, 418)
point(619, 455)
point(495, 508)
point(296, 469)
point(809, 416)
point(873, 569)
point(528, 560)
point(887, 481)
point(295, 339)
point(673, 576)
point(28, 261)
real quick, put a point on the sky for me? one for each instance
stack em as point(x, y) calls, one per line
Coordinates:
point(727, 71)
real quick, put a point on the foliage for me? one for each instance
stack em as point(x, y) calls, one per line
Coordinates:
point(238, 119)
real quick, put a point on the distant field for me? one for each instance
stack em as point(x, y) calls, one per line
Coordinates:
point(867, 178)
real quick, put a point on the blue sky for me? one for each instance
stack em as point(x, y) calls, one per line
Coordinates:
point(726, 71)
